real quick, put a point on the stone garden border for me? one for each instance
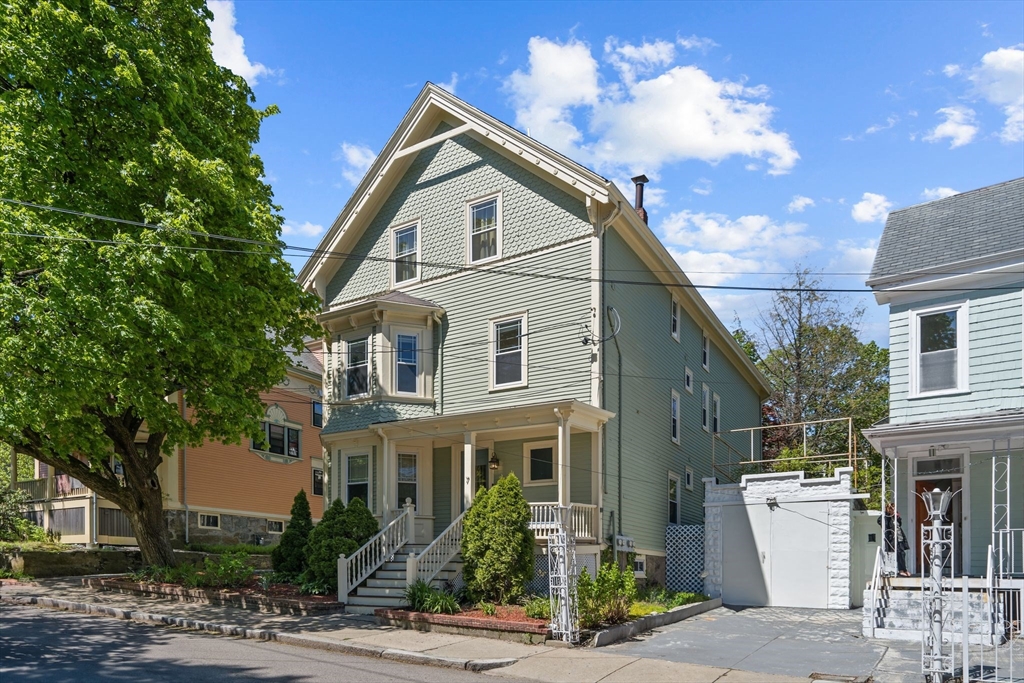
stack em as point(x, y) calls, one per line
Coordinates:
point(623, 631)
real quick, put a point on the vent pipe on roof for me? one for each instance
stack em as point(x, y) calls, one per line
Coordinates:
point(639, 206)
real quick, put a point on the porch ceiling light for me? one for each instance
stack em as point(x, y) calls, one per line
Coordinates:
point(494, 462)
point(937, 502)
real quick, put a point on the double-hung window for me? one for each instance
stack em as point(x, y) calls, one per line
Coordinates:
point(941, 350)
point(509, 339)
point(278, 439)
point(705, 351)
point(318, 414)
point(688, 381)
point(673, 499)
point(357, 369)
point(705, 407)
point(406, 478)
point(539, 464)
point(675, 416)
point(358, 478)
point(675, 319)
point(483, 230)
point(716, 414)
point(407, 363)
point(407, 250)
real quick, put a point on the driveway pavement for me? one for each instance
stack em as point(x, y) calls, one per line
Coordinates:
point(781, 641)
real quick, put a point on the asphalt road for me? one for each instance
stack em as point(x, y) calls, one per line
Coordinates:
point(43, 645)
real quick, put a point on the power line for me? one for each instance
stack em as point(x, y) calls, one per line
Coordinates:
point(455, 268)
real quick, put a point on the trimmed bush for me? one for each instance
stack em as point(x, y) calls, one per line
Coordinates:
point(289, 556)
point(497, 543)
point(359, 523)
point(327, 540)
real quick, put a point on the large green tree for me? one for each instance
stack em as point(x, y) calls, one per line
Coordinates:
point(117, 108)
point(806, 343)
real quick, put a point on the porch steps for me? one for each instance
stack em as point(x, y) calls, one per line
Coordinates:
point(899, 615)
point(386, 587)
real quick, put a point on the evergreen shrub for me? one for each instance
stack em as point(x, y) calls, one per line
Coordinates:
point(289, 556)
point(497, 543)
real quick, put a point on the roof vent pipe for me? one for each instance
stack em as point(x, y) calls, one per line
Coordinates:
point(639, 206)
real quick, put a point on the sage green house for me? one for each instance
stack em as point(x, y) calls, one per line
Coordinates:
point(952, 273)
point(493, 307)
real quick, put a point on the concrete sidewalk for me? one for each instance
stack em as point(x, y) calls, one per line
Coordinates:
point(356, 634)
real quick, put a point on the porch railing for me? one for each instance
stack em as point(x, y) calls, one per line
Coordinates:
point(876, 581)
point(1009, 551)
point(53, 488)
point(585, 520)
point(435, 556)
point(352, 571)
point(36, 488)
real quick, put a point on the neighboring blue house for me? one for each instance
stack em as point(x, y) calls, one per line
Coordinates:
point(952, 273)
point(483, 296)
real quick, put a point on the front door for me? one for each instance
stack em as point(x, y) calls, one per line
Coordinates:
point(954, 513)
point(481, 471)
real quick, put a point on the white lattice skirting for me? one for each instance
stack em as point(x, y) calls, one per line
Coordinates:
point(684, 561)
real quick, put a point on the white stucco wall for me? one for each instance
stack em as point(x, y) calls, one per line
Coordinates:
point(825, 501)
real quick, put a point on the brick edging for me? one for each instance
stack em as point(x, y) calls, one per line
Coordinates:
point(296, 639)
point(463, 621)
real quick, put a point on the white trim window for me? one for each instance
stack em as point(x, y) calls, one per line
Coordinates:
point(675, 416)
point(705, 351)
point(675, 509)
point(688, 478)
point(407, 364)
point(357, 367)
point(209, 521)
point(674, 326)
point(539, 462)
point(408, 478)
point(508, 340)
point(716, 414)
point(939, 356)
point(357, 478)
point(318, 414)
point(279, 439)
point(688, 382)
point(275, 526)
point(705, 406)
point(318, 481)
point(484, 217)
point(640, 567)
point(405, 246)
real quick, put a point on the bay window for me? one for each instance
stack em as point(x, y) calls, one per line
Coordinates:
point(357, 368)
point(407, 363)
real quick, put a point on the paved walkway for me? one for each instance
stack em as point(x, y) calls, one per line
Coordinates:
point(782, 641)
point(534, 662)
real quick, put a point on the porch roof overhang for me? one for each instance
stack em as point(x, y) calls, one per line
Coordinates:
point(379, 307)
point(1004, 427)
point(581, 416)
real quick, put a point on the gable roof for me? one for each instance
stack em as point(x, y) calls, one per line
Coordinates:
point(964, 227)
point(606, 204)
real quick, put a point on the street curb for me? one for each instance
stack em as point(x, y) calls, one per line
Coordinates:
point(299, 640)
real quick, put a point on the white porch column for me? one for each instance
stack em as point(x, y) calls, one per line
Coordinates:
point(385, 478)
point(563, 459)
point(468, 457)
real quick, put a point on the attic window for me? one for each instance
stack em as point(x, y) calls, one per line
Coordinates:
point(407, 253)
point(483, 230)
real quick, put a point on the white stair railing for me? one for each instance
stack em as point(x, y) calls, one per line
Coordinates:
point(435, 556)
point(352, 571)
point(876, 580)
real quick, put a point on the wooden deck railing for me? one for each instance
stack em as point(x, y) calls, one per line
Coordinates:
point(585, 520)
point(352, 571)
point(435, 556)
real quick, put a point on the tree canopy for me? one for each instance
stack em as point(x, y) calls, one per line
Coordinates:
point(117, 109)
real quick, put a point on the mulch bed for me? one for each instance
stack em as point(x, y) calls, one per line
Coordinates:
point(280, 598)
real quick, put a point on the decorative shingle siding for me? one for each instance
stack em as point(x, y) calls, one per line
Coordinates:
point(995, 350)
point(434, 190)
point(653, 364)
point(359, 416)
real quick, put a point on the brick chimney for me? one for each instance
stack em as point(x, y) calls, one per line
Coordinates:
point(639, 182)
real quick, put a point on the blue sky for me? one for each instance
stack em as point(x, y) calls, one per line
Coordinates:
point(773, 133)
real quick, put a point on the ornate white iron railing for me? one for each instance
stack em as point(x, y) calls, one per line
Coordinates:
point(352, 571)
point(435, 556)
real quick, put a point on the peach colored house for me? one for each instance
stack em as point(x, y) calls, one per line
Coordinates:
point(228, 493)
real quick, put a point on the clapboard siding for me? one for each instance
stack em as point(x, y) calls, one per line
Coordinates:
point(653, 364)
point(434, 190)
point(995, 358)
point(510, 455)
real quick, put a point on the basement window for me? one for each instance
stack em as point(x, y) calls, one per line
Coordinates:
point(209, 521)
point(640, 567)
point(275, 526)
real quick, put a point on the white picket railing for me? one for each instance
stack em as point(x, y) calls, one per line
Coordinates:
point(876, 580)
point(585, 520)
point(352, 571)
point(435, 556)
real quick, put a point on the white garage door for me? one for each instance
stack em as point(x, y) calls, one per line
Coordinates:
point(775, 557)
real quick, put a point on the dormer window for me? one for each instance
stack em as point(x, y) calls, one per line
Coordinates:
point(406, 250)
point(484, 230)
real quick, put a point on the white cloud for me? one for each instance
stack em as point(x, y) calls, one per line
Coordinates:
point(229, 47)
point(696, 43)
point(702, 187)
point(713, 268)
point(748, 236)
point(890, 121)
point(959, 127)
point(931, 193)
point(306, 229)
point(450, 85)
point(951, 69)
point(652, 115)
point(855, 257)
point(357, 160)
point(871, 208)
point(999, 78)
point(799, 203)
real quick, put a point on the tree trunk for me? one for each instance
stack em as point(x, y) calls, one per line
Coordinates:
point(145, 510)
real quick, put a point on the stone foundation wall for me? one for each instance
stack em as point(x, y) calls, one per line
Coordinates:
point(655, 570)
point(233, 529)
